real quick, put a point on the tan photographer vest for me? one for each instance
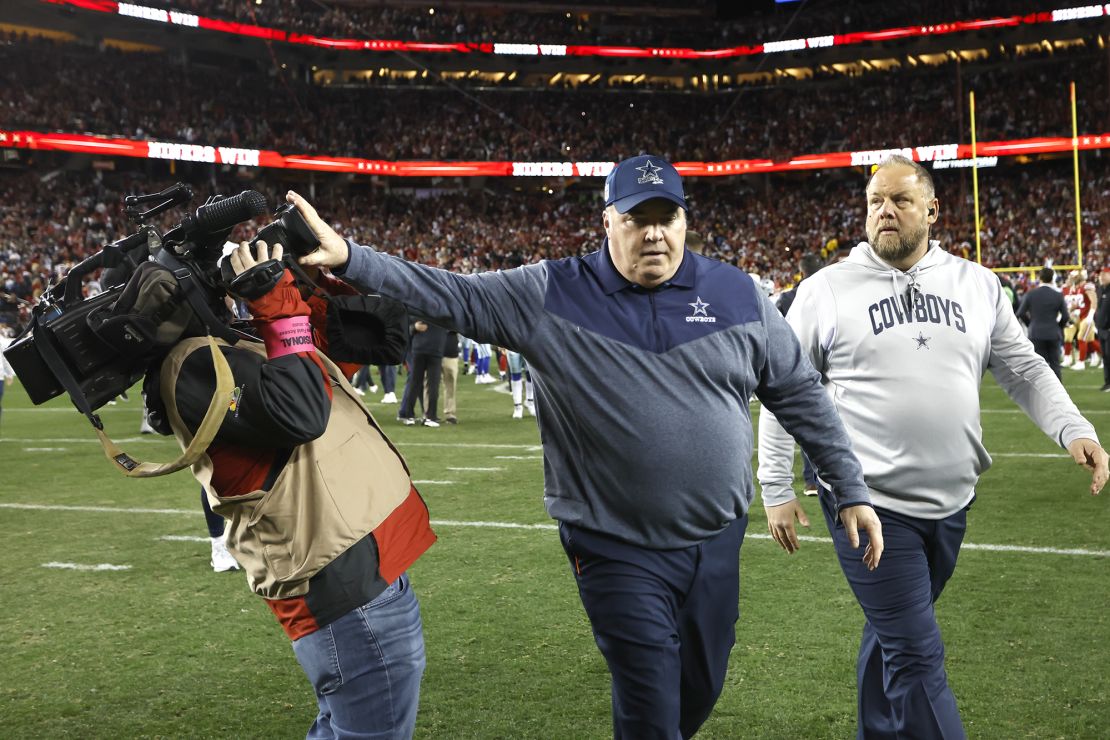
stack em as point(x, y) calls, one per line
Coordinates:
point(332, 492)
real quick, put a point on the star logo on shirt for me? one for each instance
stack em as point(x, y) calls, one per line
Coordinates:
point(699, 307)
point(922, 340)
point(651, 174)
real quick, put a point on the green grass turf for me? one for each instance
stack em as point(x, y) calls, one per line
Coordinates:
point(171, 649)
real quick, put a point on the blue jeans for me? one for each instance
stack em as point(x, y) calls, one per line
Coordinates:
point(665, 621)
point(363, 379)
point(366, 667)
point(903, 687)
point(389, 377)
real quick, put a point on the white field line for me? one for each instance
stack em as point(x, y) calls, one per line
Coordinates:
point(45, 449)
point(182, 538)
point(91, 439)
point(465, 445)
point(513, 525)
point(477, 470)
point(806, 538)
point(72, 410)
point(78, 440)
point(434, 482)
point(79, 566)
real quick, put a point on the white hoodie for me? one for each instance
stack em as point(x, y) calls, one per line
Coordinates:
point(902, 355)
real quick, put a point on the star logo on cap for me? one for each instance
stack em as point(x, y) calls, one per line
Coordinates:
point(699, 306)
point(651, 174)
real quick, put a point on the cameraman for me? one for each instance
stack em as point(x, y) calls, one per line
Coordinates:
point(321, 510)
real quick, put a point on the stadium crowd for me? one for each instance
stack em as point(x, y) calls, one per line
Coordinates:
point(760, 224)
point(685, 24)
point(111, 95)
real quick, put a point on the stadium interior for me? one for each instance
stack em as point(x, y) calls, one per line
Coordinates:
point(545, 97)
point(475, 135)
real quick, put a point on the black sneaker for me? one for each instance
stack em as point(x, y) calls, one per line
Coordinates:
point(450, 420)
point(1105, 388)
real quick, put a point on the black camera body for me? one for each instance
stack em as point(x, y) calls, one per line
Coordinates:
point(101, 370)
point(87, 347)
point(290, 230)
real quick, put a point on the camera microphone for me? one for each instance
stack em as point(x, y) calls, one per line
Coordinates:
point(208, 227)
point(227, 212)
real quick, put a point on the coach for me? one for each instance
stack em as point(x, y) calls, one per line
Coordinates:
point(903, 333)
point(1046, 311)
point(644, 357)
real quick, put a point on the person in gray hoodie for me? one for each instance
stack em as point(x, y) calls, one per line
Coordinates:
point(644, 356)
point(902, 333)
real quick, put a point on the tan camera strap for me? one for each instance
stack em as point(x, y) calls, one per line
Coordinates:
point(206, 432)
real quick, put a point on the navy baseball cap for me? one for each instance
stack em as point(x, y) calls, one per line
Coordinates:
point(642, 178)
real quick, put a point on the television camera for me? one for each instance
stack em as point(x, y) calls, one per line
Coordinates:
point(93, 348)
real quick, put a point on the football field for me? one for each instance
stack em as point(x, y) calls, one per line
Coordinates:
point(113, 624)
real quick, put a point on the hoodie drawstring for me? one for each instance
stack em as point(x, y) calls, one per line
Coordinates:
point(912, 290)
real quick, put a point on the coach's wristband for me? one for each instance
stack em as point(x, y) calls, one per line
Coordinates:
point(287, 336)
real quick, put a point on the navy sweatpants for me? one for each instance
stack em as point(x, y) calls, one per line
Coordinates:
point(903, 687)
point(665, 621)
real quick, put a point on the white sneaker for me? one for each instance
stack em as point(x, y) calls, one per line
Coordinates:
point(389, 398)
point(359, 391)
point(373, 389)
point(530, 407)
point(221, 559)
point(1066, 362)
point(431, 423)
point(145, 427)
point(518, 412)
point(1078, 365)
point(1094, 360)
point(408, 421)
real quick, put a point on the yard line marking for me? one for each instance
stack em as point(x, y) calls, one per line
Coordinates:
point(477, 470)
point(97, 509)
point(159, 438)
point(434, 482)
point(513, 525)
point(79, 566)
point(77, 440)
point(469, 445)
point(182, 538)
point(976, 546)
point(529, 448)
point(45, 449)
point(491, 525)
point(1036, 550)
point(109, 410)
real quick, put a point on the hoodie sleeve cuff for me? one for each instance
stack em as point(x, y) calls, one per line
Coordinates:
point(777, 494)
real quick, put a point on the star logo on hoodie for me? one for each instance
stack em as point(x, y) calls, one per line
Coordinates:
point(922, 340)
